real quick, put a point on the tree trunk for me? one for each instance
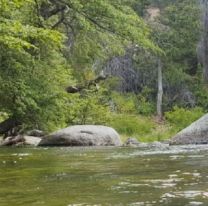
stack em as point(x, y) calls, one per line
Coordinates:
point(204, 39)
point(160, 92)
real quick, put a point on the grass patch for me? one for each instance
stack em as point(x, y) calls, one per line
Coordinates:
point(130, 124)
point(182, 117)
point(145, 129)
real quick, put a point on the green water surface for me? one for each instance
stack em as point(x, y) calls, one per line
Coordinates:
point(176, 176)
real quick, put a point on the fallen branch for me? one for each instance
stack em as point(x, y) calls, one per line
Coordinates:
point(86, 85)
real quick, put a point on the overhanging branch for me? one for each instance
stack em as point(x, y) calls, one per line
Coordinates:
point(86, 85)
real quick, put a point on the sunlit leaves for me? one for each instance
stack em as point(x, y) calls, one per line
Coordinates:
point(33, 72)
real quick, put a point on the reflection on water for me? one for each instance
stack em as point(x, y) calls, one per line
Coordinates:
point(175, 176)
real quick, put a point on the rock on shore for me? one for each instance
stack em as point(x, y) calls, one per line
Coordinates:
point(83, 135)
point(196, 133)
point(20, 140)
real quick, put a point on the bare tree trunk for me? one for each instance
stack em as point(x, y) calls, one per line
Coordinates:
point(160, 91)
point(204, 39)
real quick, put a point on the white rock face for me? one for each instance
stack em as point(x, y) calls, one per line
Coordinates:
point(30, 140)
point(196, 133)
point(83, 135)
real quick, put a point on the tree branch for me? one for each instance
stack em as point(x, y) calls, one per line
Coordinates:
point(86, 85)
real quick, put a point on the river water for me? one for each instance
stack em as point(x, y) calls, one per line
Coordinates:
point(175, 176)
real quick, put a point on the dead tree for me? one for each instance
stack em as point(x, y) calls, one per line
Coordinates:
point(160, 91)
point(202, 49)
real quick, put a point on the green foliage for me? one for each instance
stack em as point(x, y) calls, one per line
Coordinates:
point(145, 129)
point(144, 106)
point(131, 124)
point(161, 132)
point(45, 45)
point(16, 34)
point(202, 97)
point(90, 108)
point(177, 33)
point(99, 29)
point(124, 103)
point(132, 103)
point(3, 116)
point(200, 91)
point(183, 29)
point(33, 72)
point(181, 117)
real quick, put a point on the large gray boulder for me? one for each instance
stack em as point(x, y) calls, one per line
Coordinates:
point(196, 133)
point(83, 135)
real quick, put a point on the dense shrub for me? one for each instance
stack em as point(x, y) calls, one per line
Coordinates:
point(201, 96)
point(124, 103)
point(90, 108)
point(145, 107)
point(143, 104)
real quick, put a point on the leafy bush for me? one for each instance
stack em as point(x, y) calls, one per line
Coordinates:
point(145, 107)
point(182, 117)
point(143, 104)
point(124, 103)
point(202, 96)
point(88, 109)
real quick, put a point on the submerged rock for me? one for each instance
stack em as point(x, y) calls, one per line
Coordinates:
point(196, 133)
point(83, 135)
point(158, 145)
point(132, 142)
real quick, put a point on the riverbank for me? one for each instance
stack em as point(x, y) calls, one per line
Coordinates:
point(149, 129)
point(143, 128)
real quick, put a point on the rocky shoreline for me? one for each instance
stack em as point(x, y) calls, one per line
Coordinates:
point(79, 135)
point(97, 135)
